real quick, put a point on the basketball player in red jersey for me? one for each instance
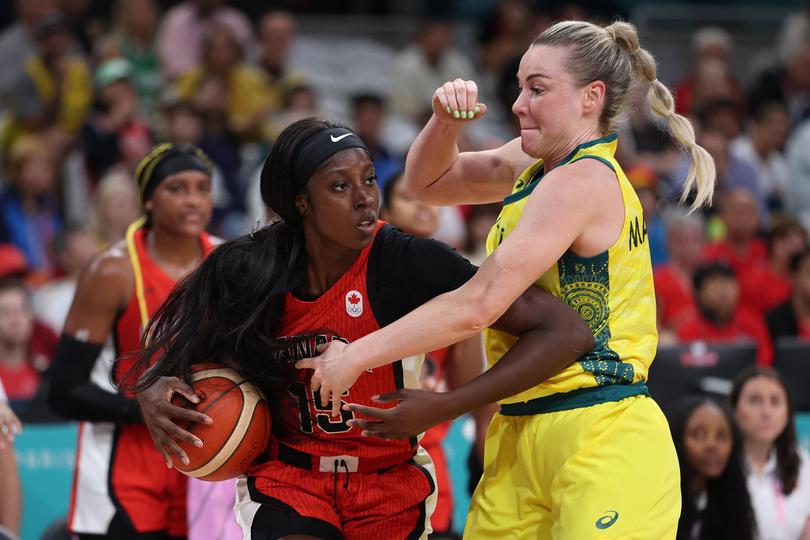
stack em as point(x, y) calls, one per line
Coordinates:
point(328, 270)
point(122, 488)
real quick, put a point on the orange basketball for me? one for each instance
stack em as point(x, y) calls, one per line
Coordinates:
point(241, 428)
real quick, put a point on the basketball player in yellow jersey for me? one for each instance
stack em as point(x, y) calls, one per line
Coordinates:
point(583, 453)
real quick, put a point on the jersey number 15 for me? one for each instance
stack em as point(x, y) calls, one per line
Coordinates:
point(323, 416)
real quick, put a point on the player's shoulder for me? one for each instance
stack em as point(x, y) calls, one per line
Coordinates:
point(391, 239)
point(110, 268)
point(399, 249)
point(215, 240)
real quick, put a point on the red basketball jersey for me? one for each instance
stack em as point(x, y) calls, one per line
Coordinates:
point(343, 312)
point(152, 287)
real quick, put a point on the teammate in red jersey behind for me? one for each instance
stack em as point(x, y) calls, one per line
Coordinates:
point(121, 488)
point(327, 270)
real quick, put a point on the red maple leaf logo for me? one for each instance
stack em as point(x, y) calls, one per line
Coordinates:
point(354, 299)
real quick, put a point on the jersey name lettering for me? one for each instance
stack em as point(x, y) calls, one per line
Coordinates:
point(638, 233)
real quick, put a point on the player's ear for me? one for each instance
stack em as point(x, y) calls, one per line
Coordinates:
point(302, 204)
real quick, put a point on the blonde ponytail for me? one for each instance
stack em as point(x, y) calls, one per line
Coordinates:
point(701, 175)
point(612, 54)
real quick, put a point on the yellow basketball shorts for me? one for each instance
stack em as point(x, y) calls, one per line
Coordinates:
point(608, 471)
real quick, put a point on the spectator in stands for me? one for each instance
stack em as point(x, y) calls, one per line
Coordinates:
point(182, 29)
point(18, 41)
point(716, 504)
point(204, 123)
point(712, 48)
point(788, 82)
point(12, 262)
point(10, 490)
point(762, 146)
point(276, 38)
point(74, 249)
point(767, 285)
point(21, 359)
point(777, 469)
point(299, 102)
point(792, 319)
point(54, 93)
point(133, 38)
point(423, 67)
point(83, 22)
point(797, 187)
point(479, 222)
point(732, 172)
point(674, 281)
point(115, 135)
point(740, 247)
point(368, 119)
point(720, 317)
point(722, 114)
point(29, 211)
point(115, 207)
point(247, 100)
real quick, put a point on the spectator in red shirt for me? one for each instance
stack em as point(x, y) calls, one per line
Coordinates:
point(710, 76)
point(21, 362)
point(720, 317)
point(740, 249)
point(792, 318)
point(767, 285)
point(674, 292)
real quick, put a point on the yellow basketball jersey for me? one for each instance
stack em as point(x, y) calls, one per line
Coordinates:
point(613, 291)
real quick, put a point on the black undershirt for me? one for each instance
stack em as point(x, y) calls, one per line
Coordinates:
point(406, 271)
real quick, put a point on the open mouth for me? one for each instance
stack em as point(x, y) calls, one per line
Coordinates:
point(193, 217)
point(367, 224)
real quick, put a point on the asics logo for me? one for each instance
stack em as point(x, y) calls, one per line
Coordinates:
point(336, 139)
point(607, 520)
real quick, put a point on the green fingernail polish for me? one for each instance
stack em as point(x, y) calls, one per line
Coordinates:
point(471, 115)
point(477, 109)
point(448, 110)
point(455, 114)
point(464, 115)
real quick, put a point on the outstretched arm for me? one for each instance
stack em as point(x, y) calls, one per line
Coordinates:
point(552, 337)
point(561, 207)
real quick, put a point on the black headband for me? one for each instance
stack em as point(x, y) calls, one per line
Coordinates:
point(320, 147)
point(174, 160)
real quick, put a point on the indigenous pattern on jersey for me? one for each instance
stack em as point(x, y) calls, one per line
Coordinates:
point(344, 312)
point(121, 481)
point(613, 291)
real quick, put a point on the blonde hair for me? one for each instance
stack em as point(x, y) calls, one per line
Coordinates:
point(114, 182)
point(23, 149)
point(612, 55)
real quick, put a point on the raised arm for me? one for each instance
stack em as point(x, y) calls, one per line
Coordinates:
point(439, 174)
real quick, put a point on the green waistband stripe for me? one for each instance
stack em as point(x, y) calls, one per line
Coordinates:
point(576, 399)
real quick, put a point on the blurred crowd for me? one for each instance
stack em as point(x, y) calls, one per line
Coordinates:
point(82, 100)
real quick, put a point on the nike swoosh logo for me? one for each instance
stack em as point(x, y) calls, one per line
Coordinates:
point(336, 139)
